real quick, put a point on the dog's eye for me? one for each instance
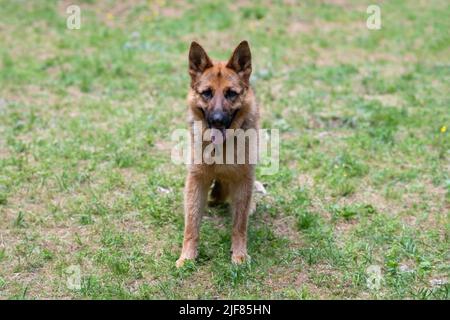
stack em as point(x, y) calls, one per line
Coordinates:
point(207, 94)
point(230, 94)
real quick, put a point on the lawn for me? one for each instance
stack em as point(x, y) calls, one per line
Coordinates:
point(359, 208)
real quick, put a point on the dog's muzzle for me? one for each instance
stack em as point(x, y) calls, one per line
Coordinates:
point(218, 122)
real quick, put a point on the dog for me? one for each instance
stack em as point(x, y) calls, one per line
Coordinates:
point(220, 98)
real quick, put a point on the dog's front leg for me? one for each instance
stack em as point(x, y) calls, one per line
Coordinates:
point(242, 200)
point(196, 193)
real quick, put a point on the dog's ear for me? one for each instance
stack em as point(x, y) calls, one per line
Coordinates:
point(241, 61)
point(198, 61)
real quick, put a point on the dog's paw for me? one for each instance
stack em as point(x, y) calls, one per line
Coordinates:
point(185, 257)
point(180, 262)
point(240, 258)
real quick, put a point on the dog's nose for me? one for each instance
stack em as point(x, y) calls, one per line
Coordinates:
point(218, 119)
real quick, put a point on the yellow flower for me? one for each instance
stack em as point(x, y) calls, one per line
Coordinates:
point(443, 129)
point(109, 16)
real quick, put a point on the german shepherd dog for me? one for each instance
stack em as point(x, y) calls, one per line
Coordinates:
point(220, 97)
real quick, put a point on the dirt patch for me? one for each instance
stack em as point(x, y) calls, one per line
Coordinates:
point(286, 227)
point(389, 100)
point(295, 277)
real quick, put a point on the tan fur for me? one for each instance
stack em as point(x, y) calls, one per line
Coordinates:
point(232, 182)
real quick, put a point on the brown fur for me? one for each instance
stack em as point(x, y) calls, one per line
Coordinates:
point(233, 182)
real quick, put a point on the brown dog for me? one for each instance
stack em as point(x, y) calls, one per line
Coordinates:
point(220, 97)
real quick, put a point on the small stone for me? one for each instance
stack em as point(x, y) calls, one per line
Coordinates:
point(163, 190)
point(405, 268)
point(259, 188)
point(438, 282)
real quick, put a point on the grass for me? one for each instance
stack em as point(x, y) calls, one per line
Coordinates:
point(85, 123)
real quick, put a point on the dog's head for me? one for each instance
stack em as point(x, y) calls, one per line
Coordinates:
point(219, 88)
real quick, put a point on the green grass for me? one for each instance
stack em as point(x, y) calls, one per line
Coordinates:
point(85, 123)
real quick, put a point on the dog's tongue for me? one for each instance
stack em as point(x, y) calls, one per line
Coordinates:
point(217, 135)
